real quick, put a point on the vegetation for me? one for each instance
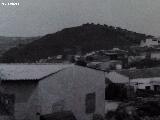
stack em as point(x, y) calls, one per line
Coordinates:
point(9, 42)
point(137, 110)
point(84, 38)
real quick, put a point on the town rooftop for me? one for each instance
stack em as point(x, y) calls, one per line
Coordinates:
point(140, 73)
point(29, 71)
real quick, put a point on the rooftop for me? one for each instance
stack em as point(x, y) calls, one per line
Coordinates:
point(28, 71)
point(146, 49)
point(141, 73)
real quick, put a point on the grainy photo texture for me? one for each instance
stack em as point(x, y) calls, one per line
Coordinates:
point(79, 60)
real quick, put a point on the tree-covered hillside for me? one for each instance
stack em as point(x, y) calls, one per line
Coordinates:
point(84, 38)
point(9, 42)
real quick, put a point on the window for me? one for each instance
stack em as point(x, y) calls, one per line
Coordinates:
point(154, 40)
point(90, 103)
point(147, 87)
point(156, 88)
point(6, 104)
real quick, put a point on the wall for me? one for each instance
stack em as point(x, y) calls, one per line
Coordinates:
point(155, 55)
point(25, 97)
point(70, 86)
point(54, 89)
point(148, 42)
point(110, 64)
point(88, 81)
point(143, 82)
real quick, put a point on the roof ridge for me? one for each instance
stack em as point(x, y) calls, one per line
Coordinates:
point(29, 72)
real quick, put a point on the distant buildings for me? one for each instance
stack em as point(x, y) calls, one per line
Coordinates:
point(116, 91)
point(31, 90)
point(146, 79)
point(107, 59)
point(148, 49)
point(106, 55)
point(149, 42)
point(146, 52)
point(109, 65)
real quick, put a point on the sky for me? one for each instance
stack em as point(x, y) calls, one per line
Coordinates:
point(40, 17)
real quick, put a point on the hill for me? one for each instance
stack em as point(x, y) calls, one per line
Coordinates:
point(9, 42)
point(84, 38)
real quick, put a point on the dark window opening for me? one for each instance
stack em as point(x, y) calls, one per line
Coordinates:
point(148, 87)
point(6, 104)
point(90, 103)
point(116, 92)
point(114, 57)
point(154, 40)
point(156, 88)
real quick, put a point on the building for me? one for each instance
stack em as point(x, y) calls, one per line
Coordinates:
point(106, 55)
point(116, 90)
point(155, 54)
point(118, 84)
point(149, 42)
point(148, 78)
point(139, 53)
point(109, 65)
point(107, 59)
point(29, 91)
point(117, 54)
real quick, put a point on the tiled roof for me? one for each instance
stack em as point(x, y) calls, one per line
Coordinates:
point(28, 71)
point(141, 73)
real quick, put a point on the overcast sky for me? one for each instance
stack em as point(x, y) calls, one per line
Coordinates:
point(39, 17)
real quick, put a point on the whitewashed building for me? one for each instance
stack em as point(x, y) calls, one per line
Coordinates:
point(33, 90)
point(149, 42)
point(112, 64)
point(140, 53)
point(148, 78)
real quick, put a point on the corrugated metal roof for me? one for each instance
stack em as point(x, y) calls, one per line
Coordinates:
point(28, 71)
point(141, 73)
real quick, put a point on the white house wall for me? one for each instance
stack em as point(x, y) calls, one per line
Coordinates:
point(88, 81)
point(53, 89)
point(70, 86)
point(143, 82)
point(148, 42)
